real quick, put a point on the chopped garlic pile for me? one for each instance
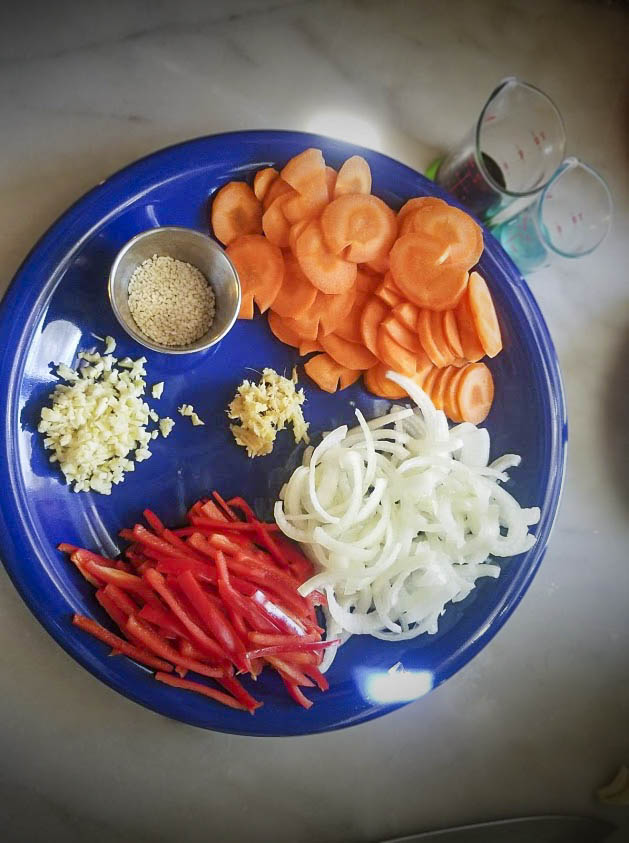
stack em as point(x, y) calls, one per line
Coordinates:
point(264, 408)
point(97, 423)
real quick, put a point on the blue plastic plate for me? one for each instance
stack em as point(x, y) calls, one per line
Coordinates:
point(58, 298)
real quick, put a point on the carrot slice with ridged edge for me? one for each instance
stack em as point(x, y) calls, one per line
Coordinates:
point(246, 306)
point(349, 328)
point(278, 187)
point(307, 329)
point(352, 355)
point(374, 311)
point(328, 374)
point(408, 314)
point(484, 315)
point(389, 292)
point(436, 325)
point(453, 226)
point(470, 342)
point(262, 181)
point(282, 331)
point(426, 338)
point(420, 271)
point(401, 334)
point(332, 310)
point(367, 282)
point(475, 393)
point(376, 382)
point(275, 226)
point(450, 402)
point(359, 227)
point(260, 267)
point(297, 294)
point(235, 211)
point(353, 177)
point(395, 356)
point(415, 203)
point(451, 333)
point(330, 180)
point(306, 174)
point(328, 272)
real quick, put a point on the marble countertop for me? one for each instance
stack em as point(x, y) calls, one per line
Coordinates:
point(540, 718)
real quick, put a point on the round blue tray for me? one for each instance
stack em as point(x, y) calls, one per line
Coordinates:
point(58, 298)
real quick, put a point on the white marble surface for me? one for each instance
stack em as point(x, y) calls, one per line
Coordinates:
point(540, 717)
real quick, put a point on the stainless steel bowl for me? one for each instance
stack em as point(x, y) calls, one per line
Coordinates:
point(184, 244)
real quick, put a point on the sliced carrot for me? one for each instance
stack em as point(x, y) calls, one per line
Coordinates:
point(419, 270)
point(401, 334)
point(376, 382)
point(373, 313)
point(424, 330)
point(305, 173)
point(246, 306)
point(453, 226)
point(358, 227)
point(475, 393)
point(429, 381)
point(262, 181)
point(379, 265)
point(330, 180)
point(351, 355)
point(260, 267)
point(297, 294)
point(299, 207)
point(328, 272)
point(282, 331)
point(424, 368)
point(367, 282)
point(440, 384)
point(450, 401)
point(333, 310)
point(274, 224)
point(451, 333)
point(470, 342)
point(277, 188)
point(436, 324)
point(327, 373)
point(305, 328)
point(389, 292)
point(408, 314)
point(349, 328)
point(353, 177)
point(235, 211)
point(484, 315)
point(295, 231)
point(417, 202)
point(395, 356)
point(308, 346)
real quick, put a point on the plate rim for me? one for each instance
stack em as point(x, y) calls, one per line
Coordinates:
point(10, 549)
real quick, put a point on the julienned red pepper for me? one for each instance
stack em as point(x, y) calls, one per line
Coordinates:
point(292, 647)
point(117, 615)
point(128, 582)
point(290, 670)
point(226, 509)
point(168, 624)
point(160, 647)
point(153, 521)
point(119, 644)
point(198, 688)
point(296, 693)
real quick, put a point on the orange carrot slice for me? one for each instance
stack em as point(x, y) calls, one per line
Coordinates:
point(401, 334)
point(389, 292)
point(450, 401)
point(484, 315)
point(328, 374)
point(440, 384)
point(353, 177)
point(451, 333)
point(379, 265)
point(349, 328)
point(424, 368)
point(470, 342)
point(282, 331)
point(475, 393)
point(260, 267)
point(330, 180)
point(408, 314)
point(426, 338)
point(358, 227)
point(436, 325)
point(295, 231)
point(376, 382)
point(274, 224)
point(373, 313)
point(305, 173)
point(367, 282)
point(429, 381)
point(296, 295)
point(332, 310)
point(395, 356)
point(349, 354)
point(328, 272)
point(306, 328)
point(246, 306)
point(452, 226)
point(308, 346)
point(235, 211)
point(419, 270)
point(415, 203)
point(262, 181)
point(278, 187)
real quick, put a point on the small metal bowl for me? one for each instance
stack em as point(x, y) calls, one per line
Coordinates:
point(184, 244)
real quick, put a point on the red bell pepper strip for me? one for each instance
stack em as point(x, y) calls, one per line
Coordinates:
point(128, 582)
point(117, 615)
point(153, 521)
point(208, 509)
point(231, 684)
point(264, 639)
point(243, 506)
point(117, 643)
point(292, 647)
point(198, 688)
point(226, 509)
point(296, 693)
point(289, 670)
point(314, 673)
point(126, 534)
point(157, 645)
point(121, 565)
point(199, 638)
point(148, 540)
point(122, 600)
point(281, 621)
point(169, 626)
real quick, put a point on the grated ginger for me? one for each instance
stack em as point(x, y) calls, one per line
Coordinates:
point(264, 408)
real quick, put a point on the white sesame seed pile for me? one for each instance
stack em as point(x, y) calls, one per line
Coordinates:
point(171, 301)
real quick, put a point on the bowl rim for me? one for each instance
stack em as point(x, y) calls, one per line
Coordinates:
point(138, 336)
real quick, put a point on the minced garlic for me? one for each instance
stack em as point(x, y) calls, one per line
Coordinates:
point(264, 408)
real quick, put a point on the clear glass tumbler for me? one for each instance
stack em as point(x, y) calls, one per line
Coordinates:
point(570, 219)
point(510, 154)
